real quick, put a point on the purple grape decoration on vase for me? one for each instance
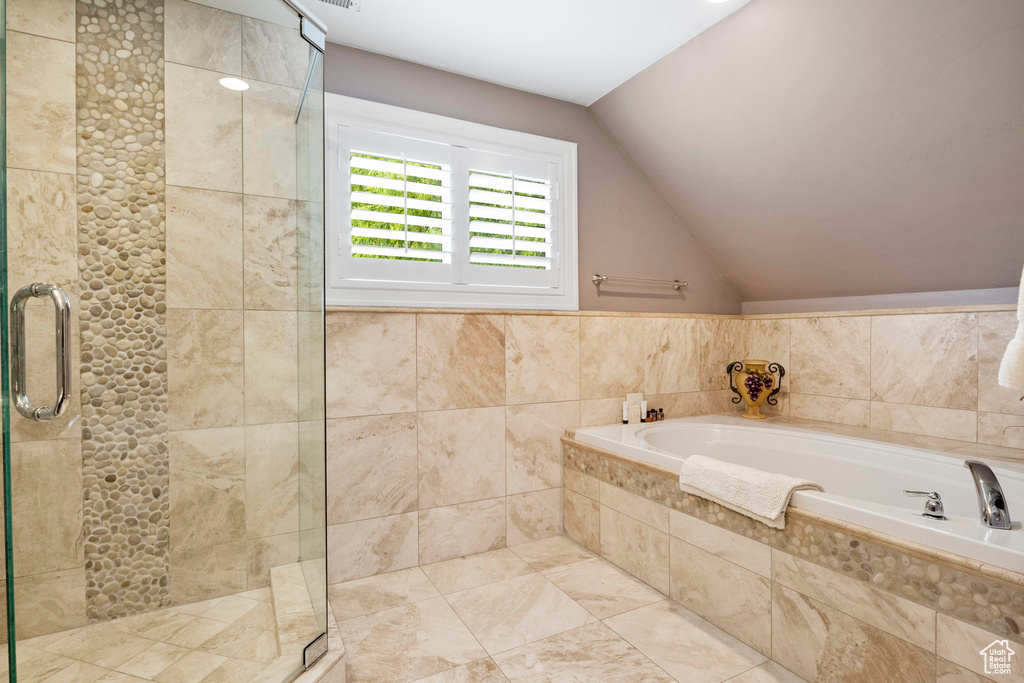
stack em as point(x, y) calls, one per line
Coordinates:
point(754, 385)
point(755, 382)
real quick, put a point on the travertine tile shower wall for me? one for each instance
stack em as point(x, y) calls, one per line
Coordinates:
point(123, 163)
point(233, 298)
point(444, 427)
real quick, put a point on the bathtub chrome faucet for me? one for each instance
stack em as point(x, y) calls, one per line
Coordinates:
point(994, 511)
point(932, 506)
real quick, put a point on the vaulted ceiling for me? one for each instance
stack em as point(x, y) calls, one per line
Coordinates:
point(813, 149)
point(573, 50)
point(822, 149)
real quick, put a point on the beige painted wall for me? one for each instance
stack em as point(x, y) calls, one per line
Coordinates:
point(614, 198)
point(829, 149)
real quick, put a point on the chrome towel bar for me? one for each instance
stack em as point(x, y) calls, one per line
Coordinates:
point(676, 284)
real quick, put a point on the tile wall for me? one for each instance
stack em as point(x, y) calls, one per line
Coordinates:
point(924, 374)
point(443, 427)
point(46, 463)
point(206, 185)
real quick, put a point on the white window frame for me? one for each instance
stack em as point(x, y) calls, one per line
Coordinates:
point(351, 112)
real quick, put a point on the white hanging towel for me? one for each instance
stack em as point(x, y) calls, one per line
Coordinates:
point(761, 495)
point(1011, 370)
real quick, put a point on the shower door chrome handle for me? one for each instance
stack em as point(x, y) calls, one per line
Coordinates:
point(62, 330)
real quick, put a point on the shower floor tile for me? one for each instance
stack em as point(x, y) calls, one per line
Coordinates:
point(233, 638)
point(542, 611)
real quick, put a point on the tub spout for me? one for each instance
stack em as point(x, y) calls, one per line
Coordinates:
point(992, 505)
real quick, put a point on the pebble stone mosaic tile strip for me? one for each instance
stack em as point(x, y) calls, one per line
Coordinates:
point(121, 246)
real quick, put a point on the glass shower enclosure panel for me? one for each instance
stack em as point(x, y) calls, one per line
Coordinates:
point(162, 339)
point(310, 147)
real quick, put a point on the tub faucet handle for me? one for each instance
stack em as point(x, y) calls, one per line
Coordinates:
point(933, 506)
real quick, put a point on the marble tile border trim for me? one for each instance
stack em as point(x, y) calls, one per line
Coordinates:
point(987, 308)
point(991, 598)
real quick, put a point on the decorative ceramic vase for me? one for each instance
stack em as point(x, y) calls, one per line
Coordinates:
point(755, 382)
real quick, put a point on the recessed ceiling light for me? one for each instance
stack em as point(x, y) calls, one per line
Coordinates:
point(716, 2)
point(234, 84)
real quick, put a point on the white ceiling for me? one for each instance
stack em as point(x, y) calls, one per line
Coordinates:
point(575, 50)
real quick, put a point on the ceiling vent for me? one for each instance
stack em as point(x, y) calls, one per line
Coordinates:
point(344, 4)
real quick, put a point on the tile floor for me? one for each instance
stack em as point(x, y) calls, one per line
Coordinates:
point(542, 611)
point(216, 641)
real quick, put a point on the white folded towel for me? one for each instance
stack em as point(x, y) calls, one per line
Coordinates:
point(755, 493)
point(1011, 370)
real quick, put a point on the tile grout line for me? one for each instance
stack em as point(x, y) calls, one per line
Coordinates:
point(977, 376)
point(771, 603)
point(773, 581)
point(596, 620)
point(416, 399)
point(245, 421)
point(866, 624)
point(504, 428)
point(40, 35)
point(670, 600)
point(463, 622)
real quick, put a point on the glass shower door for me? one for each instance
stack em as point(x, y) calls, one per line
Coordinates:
point(163, 426)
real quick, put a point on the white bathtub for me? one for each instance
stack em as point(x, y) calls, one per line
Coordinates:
point(863, 480)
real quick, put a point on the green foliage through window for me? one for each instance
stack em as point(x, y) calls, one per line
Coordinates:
point(522, 219)
point(399, 203)
point(400, 212)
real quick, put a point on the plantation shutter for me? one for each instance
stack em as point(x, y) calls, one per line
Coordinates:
point(513, 236)
point(432, 214)
point(399, 196)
